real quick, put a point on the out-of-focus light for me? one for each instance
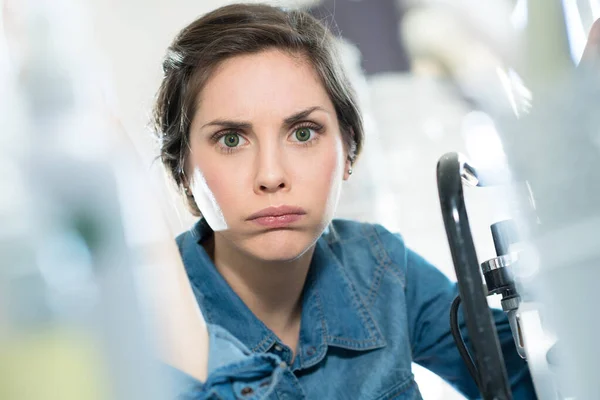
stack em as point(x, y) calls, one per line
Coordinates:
point(518, 95)
point(433, 129)
point(66, 265)
point(519, 85)
point(595, 6)
point(65, 261)
point(483, 144)
point(507, 86)
point(518, 18)
point(575, 31)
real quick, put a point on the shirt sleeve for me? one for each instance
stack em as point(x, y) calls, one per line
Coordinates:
point(234, 372)
point(429, 295)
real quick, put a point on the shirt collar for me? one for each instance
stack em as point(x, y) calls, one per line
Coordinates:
point(333, 313)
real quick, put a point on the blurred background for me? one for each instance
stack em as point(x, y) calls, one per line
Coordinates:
point(421, 69)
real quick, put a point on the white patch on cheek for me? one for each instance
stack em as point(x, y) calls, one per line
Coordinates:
point(336, 183)
point(206, 202)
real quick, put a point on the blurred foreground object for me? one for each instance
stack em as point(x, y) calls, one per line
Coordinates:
point(89, 268)
point(535, 126)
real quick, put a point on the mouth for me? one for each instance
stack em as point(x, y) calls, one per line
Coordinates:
point(277, 217)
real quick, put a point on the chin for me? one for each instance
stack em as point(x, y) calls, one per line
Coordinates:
point(281, 245)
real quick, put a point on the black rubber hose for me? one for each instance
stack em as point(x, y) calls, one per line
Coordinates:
point(460, 343)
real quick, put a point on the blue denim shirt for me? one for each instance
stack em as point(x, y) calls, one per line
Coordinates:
point(370, 308)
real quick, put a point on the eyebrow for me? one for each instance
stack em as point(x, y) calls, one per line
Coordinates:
point(241, 125)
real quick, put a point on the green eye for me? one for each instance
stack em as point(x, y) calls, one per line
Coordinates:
point(231, 139)
point(303, 134)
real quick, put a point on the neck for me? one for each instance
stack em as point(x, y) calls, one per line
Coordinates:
point(272, 290)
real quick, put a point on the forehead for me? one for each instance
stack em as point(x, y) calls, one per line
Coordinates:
point(270, 82)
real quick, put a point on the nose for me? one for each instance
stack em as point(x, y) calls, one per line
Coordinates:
point(271, 175)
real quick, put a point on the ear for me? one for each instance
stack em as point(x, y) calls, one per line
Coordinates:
point(347, 168)
point(350, 156)
point(184, 168)
point(185, 184)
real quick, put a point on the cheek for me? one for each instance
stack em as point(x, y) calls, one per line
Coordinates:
point(323, 172)
point(227, 182)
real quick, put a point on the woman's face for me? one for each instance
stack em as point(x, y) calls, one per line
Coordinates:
point(265, 141)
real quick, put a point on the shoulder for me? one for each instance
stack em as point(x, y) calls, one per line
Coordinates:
point(367, 251)
point(340, 230)
point(373, 236)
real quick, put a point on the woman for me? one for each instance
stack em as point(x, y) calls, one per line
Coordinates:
point(259, 128)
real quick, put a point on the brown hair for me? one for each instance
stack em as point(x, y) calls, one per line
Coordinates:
point(235, 30)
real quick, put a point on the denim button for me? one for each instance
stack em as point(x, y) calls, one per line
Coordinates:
point(247, 391)
point(278, 348)
point(311, 350)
